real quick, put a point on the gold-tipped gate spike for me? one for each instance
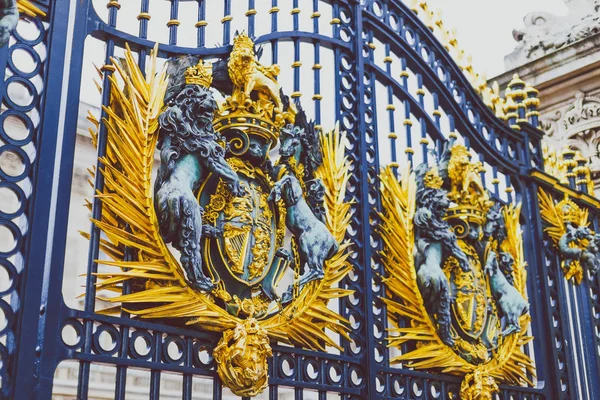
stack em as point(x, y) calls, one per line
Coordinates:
point(447, 38)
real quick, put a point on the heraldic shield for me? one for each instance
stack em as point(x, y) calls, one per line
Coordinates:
point(247, 258)
point(473, 311)
point(247, 190)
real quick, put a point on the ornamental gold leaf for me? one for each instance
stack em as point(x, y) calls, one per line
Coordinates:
point(129, 220)
point(26, 7)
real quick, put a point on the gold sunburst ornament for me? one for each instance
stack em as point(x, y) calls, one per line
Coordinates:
point(230, 269)
point(430, 235)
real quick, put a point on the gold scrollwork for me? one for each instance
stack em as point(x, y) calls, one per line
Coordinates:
point(478, 385)
point(241, 357)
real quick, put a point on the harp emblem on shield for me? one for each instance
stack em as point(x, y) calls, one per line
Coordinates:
point(236, 240)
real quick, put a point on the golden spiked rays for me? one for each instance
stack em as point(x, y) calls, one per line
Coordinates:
point(556, 216)
point(304, 323)
point(128, 217)
point(398, 236)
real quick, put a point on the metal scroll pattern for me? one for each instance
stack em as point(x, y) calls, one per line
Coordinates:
point(22, 94)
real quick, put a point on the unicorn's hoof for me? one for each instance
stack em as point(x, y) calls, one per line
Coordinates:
point(312, 275)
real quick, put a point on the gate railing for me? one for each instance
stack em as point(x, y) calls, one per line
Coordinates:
point(396, 92)
point(572, 308)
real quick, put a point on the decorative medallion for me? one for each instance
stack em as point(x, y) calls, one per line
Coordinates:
point(456, 271)
point(239, 216)
point(577, 244)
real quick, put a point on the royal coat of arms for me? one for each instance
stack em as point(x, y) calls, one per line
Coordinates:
point(568, 226)
point(248, 189)
point(455, 268)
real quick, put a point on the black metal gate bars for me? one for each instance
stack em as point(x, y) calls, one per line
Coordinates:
point(371, 65)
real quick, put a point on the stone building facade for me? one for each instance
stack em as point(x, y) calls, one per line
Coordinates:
point(559, 56)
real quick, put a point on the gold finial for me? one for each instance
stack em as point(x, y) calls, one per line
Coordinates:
point(554, 164)
point(452, 41)
point(414, 6)
point(438, 20)
point(480, 83)
point(516, 83)
point(199, 74)
point(510, 106)
point(532, 100)
point(531, 91)
point(432, 179)
point(588, 179)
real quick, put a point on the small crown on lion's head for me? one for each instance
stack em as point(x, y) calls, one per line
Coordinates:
point(432, 179)
point(200, 74)
point(242, 40)
point(569, 210)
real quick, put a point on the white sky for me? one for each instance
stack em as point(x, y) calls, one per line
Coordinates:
point(484, 27)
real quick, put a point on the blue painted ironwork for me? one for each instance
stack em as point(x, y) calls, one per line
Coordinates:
point(383, 58)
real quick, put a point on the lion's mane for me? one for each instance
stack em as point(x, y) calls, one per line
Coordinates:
point(430, 223)
point(186, 128)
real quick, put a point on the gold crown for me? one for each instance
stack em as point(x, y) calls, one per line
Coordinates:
point(200, 74)
point(260, 114)
point(570, 211)
point(432, 179)
point(469, 209)
point(471, 200)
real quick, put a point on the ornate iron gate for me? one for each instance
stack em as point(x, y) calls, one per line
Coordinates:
point(380, 72)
